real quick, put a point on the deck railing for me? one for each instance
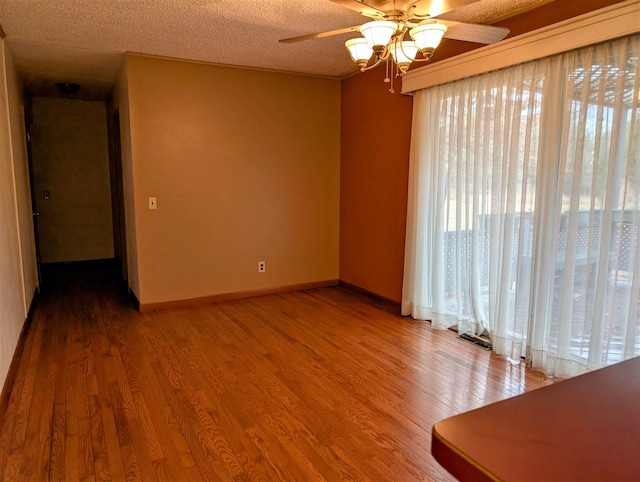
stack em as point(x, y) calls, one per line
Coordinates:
point(624, 226)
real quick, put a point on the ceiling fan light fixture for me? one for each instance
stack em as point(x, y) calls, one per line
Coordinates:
point(360, 51)
point(403, 53)
point(378, 34)
point(385, 34)
point(428, 36)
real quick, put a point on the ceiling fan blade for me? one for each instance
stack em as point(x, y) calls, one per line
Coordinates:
point(361, 8)
point(433, 8)
point(310, 36)
point(473, 32)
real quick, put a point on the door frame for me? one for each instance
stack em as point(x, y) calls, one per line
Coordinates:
point(28, 124)
point(117, 195)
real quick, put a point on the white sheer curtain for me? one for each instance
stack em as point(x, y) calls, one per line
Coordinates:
point(524, 208)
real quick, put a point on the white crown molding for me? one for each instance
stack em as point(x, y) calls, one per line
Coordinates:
point(605, 24)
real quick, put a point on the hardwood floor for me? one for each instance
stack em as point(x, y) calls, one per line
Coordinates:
point(323, 384)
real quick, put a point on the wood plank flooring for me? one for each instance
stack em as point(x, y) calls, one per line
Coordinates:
point(323, 384)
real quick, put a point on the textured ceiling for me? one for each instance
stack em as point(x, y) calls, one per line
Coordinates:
point(83, 40)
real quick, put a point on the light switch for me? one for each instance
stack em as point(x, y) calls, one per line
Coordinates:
point(153, 204)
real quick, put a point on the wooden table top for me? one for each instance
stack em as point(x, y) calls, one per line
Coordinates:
point(584, 428)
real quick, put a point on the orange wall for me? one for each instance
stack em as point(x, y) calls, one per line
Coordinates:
point(245, 167)
point(375, 138)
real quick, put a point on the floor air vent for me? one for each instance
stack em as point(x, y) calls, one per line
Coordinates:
point(476, 340)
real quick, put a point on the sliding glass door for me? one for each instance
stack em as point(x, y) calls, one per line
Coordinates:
point(525, 208)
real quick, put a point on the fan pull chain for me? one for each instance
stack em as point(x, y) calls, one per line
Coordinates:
point(392, 90)
point(386, 71)
point(389, 77)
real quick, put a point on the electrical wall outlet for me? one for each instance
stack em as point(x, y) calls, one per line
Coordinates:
point(262, 266)
point(153, 204)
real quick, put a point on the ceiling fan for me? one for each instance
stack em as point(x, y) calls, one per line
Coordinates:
point(385, 36)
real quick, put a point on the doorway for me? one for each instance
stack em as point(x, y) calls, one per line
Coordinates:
point(71, 182)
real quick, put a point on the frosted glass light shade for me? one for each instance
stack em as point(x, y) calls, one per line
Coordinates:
point(378, 33)
point(428, 36)
point(359, 50)
point(403, 53)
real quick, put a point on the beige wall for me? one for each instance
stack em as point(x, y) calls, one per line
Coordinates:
point(22, 183)
point(120, 103)
point(16, 264)
point(71, 161)
point(245, 167)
